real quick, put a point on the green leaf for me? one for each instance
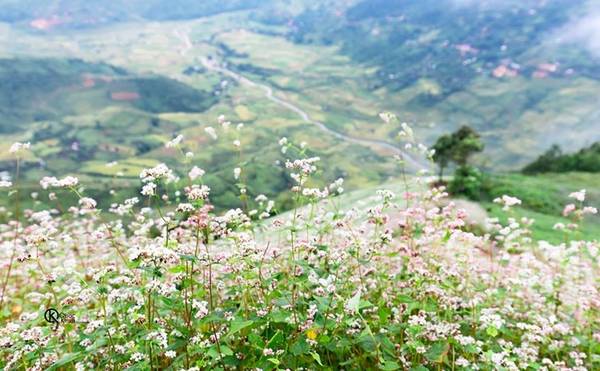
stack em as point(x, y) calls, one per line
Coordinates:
point(390, 365)
point(213, 351)
point(366, 341)
point(280, 316)
point(237, 326)
point(226, 350)
point(437, 352)
point(188, 257)
point(274, 361)
point(317, 358)
point(365, 304)
point(324, 339)
point(276, 340)
point(300, 347)
point(256, 340)
point(65, 360)
point(492, 331)
point(447, 236)
point(353, 303)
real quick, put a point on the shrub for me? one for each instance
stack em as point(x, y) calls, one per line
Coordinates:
point(399, 284)
point(468, 181)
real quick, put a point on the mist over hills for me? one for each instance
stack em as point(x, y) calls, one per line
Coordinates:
point(525, 74)
point(80, 13)
point(299, 184)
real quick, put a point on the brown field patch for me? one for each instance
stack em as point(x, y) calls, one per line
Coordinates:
point(124, 95)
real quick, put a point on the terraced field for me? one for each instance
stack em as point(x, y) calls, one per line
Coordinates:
point(518, 116)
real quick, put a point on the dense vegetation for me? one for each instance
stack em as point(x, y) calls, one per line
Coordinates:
point(556, 161)
point(37, 90)
point(422, 40)
point(541, 197)
point(29, 87)
point(162, 281)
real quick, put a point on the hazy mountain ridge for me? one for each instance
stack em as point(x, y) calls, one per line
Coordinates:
point(77, 13)
point(500, 67)
point(451, 44)
point(340, 62)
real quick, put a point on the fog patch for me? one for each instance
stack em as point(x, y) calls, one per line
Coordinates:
point(584, 31)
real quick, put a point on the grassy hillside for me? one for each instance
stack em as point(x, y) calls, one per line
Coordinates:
point(35, 90)
point(164, 281)
point(543, 198)
point(81, 116)
point(127, 130)
point(86, 13)
point(156, 88)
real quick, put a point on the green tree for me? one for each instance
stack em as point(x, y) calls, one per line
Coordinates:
point(466, 142)
point(443, 153)
point(456, 147)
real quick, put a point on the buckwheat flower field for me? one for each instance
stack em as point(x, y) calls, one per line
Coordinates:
point(163, 281)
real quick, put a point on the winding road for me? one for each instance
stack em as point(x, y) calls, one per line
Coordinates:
point(411, 162)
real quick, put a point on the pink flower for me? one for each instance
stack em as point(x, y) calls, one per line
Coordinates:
point(195, 173)
point(568, 209)
point(507, 201)
point(579, 196)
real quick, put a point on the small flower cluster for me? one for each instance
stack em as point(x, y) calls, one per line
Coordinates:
point(396, 281)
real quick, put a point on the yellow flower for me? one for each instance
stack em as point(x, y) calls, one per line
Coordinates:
point(311, 334)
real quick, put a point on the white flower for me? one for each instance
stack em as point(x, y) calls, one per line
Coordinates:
point(387, 117)
point(66, 182)
point(236, 143)
point(507, 201)
point(137, 357)
point(196, 173)
point(267, 352)
point(17, 147)
point(201, 307)
point(462, 362)
point(5, 184)
point(174, 142)
point(197, 192)
point(170, 354)
point(185, 207)
point(211, 131)
point(160, 171)
point(236, 173)
point(406, 132)
point(148, 189)
point(87, 203)
point(283, 141)
point(579, 196)
point(69, 181)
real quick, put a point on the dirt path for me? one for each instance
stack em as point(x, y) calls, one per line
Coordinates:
point(412, 163)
